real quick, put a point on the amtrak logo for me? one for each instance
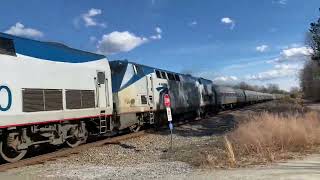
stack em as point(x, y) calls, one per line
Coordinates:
point(5, 98)
point(163, 88)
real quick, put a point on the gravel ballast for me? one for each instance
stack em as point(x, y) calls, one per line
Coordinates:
point(144, 157)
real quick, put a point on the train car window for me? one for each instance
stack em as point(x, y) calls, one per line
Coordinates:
point(170, 76)
point(101, 77)
point(177, 77)
point(158, 74)
point(163, 74)
point(7, 47)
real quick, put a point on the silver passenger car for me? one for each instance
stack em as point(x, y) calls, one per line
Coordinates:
point(226, 96)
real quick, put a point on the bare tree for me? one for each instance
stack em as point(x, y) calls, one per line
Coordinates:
point(310, 74)
point(310, 81)
point(273, 88)
point(313, 39)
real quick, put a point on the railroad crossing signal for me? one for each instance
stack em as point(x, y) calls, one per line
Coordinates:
point(167, 102)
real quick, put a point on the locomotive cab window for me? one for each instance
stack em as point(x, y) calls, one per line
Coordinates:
point(158, 74)
point(163, 74)
point(170, 76)
point(177, 77)
point(7, 46)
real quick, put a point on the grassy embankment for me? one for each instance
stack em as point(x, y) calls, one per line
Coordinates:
point(275, 131)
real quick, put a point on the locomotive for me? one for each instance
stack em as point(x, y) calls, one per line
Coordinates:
point(53, 94)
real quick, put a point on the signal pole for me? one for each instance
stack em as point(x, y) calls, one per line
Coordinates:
point(167, 103)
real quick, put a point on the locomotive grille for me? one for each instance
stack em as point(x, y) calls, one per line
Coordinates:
point(35, 100)
point(73, 98)
point(80, 99)
point(53, 100)
point(88, 99)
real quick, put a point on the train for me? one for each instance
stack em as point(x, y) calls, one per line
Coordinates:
point(54, 94)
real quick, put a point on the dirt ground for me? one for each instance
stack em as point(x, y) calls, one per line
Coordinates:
point(307, 168)
point(150, 157)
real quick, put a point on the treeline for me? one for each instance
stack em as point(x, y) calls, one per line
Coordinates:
point(270, 88)
point(310, 80)
point(310, 74)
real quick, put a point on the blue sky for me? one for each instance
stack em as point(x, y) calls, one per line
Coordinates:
point(257, 41)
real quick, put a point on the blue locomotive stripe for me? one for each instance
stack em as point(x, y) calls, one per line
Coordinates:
point(50, 50)
point(9, 103)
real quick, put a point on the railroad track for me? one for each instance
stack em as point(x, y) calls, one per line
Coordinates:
point(65, 152)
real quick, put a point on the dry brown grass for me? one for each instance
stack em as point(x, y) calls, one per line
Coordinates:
point(270, 136)
point(268, 132)
point(284, 106)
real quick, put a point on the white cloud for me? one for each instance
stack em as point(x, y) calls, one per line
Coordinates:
point(226, 20)
point(278, 71)
point(293, 45)
point(293, 54)
point(20, 30)
point(158, 34)
point(229, 21)
point(304, 51)
point(89, 20)
point(155, 37)
point(193, 23)
point(287, 64)
point(262, 48)
point(225, 79)
point(158, 30)
point(116, 42)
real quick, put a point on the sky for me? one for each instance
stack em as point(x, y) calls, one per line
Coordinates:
point(227, 41)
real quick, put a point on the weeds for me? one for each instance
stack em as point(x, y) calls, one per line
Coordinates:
point(269, 136)
point(273, 131)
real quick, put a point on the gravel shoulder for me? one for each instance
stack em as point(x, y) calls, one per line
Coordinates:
point(139, 158)
point(146, 158)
